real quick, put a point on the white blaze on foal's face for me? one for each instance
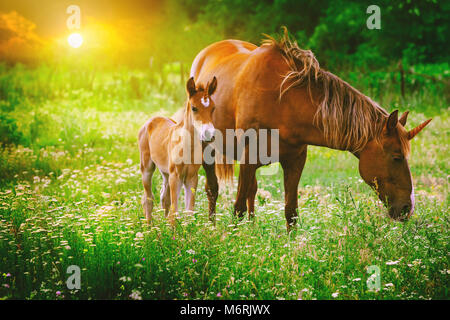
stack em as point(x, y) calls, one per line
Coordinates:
point(201, 106)
point(205, 102)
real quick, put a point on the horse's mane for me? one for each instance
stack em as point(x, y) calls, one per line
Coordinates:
point(348, 118)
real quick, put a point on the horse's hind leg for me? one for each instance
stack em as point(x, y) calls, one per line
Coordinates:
point(292, 170)
point(165, 193)
point(147, 170)
point(246, 180)
point(251, 198)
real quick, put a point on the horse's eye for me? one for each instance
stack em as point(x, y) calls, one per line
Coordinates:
point(194, 109)
point(397, 157)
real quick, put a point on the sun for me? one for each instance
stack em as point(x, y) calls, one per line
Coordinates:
point(75, 40)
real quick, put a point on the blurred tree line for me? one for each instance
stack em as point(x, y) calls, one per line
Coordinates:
point(415, 32)
point(142, 55)
point(336, 31)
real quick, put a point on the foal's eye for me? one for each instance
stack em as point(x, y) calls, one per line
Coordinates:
point(194, 109)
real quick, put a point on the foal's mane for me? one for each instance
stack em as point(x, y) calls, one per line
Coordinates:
point(348, 118)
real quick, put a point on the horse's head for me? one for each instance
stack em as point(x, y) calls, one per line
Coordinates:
point(200, 107)
point(384, 166)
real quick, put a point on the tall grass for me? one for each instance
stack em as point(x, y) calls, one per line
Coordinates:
point(70, 195)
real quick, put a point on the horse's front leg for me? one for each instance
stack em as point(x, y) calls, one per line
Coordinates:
point(292, 168)
point(165, 193)
point(175, 187)
point(211, 188)
point(190, 187)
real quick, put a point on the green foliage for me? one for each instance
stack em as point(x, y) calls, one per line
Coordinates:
point(336, 30)
point(77, 221)
point(9, 133)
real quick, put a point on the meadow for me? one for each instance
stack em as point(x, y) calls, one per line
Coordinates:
point(70, 191)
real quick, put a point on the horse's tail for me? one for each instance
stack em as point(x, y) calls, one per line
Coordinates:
point(224, 171)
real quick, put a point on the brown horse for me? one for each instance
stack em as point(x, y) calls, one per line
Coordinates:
point(172, 148)
point(280, 86)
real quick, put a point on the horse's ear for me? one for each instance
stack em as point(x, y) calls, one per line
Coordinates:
point(212, 86)
point(190, 87)
point(403, 118)
point(392, 121)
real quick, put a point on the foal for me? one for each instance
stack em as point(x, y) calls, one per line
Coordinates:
point(176, 149)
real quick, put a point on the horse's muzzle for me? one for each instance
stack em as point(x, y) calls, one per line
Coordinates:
point(401, 213)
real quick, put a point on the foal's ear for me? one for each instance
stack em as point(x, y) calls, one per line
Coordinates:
point(392, 121)
point(190, 87)
point(212, 86)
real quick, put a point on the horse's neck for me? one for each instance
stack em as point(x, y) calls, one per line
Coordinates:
point(187, 126)
point(186, 123)
point(303, 121)
point(347, 133)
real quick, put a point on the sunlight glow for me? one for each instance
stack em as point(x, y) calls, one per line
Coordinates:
point(75, 40)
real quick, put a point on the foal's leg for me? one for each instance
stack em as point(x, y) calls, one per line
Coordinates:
point(190, 186)
point(147, 169)
point(251, 198)
point(292, 168)
point(175, 187)
point(165, 193)
point(211, 188)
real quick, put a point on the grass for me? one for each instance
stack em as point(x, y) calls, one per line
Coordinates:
point(70, 195)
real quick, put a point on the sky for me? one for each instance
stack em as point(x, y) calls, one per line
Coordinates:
point(50, 15)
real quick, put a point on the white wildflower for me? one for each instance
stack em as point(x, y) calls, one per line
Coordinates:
point(136, 295)
point(120, 180)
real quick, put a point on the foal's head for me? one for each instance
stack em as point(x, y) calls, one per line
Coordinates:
point(384, 166)
point(200, 108)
